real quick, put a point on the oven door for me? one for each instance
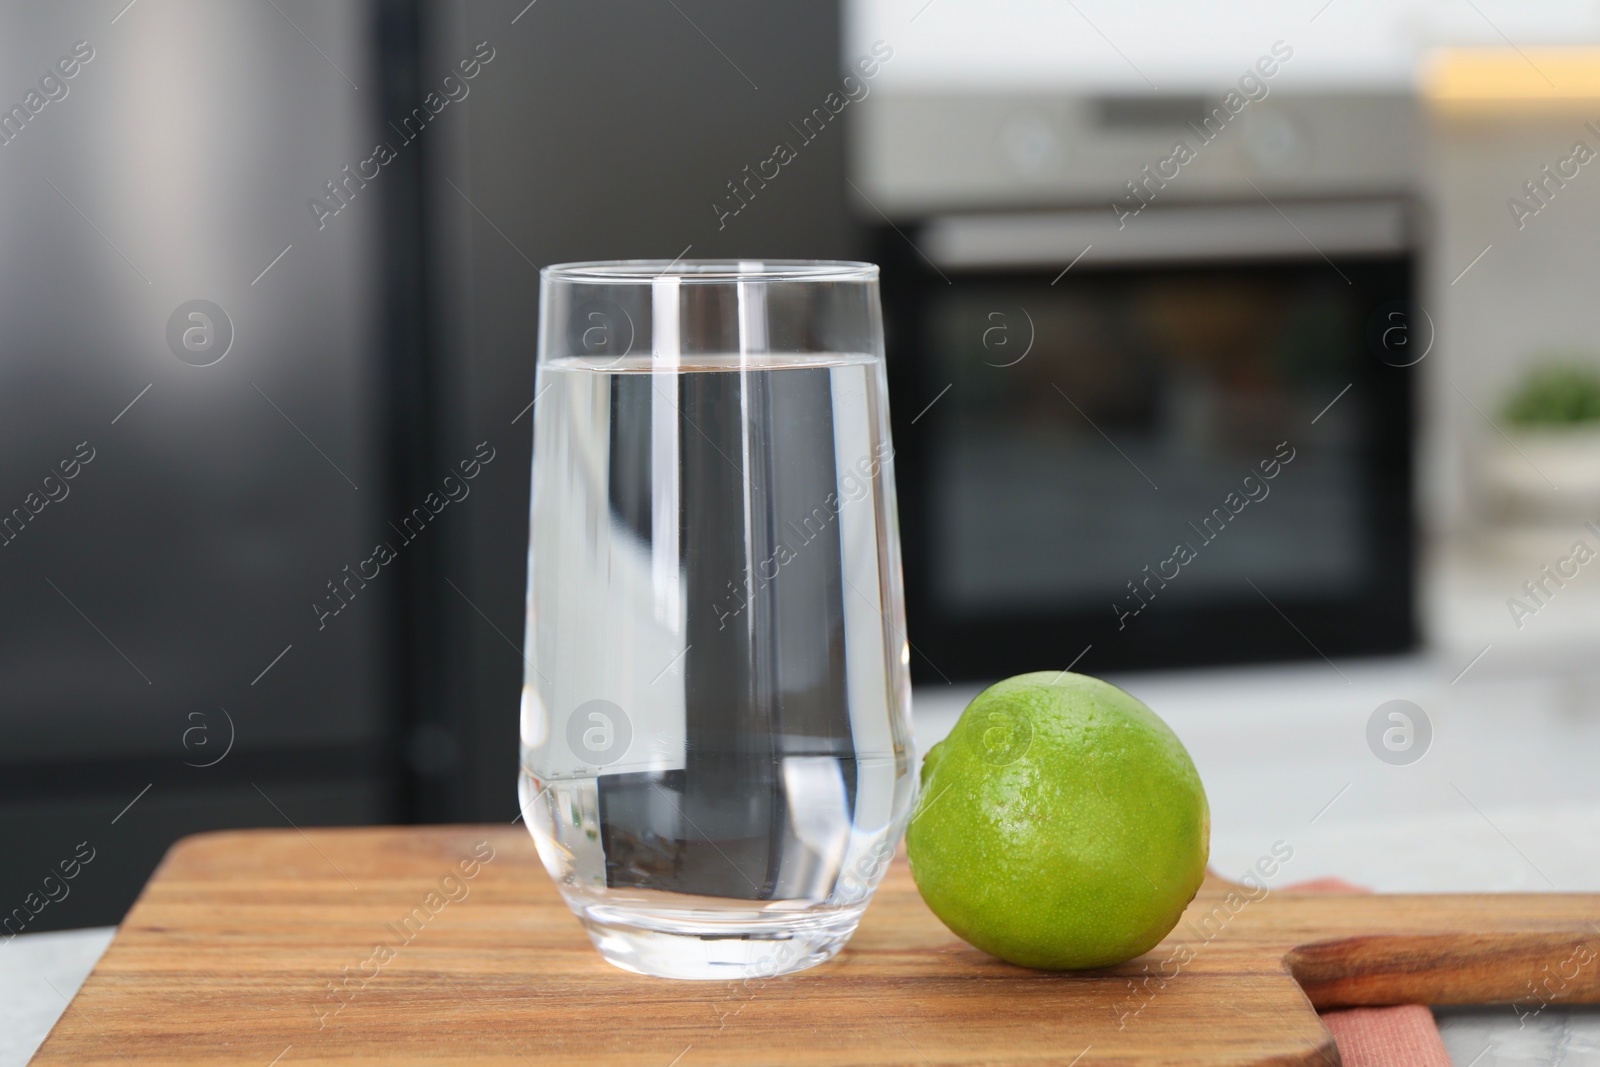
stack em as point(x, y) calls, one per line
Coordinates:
point(1188, 445)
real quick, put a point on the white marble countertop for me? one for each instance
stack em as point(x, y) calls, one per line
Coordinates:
point(1505, 799)
point(39, 973)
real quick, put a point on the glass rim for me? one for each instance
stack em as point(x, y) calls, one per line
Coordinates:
point(645, 271)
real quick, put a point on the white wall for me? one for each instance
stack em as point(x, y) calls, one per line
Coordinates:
point(1188, 46)
point(1534, 289)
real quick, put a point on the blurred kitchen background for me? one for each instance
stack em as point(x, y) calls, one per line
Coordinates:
point(270, 274)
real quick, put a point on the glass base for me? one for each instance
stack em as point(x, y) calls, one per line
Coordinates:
point(717, 946)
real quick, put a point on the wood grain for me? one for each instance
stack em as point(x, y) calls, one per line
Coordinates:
point(231, 954)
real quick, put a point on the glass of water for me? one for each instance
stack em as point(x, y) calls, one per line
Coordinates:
point(716, 748)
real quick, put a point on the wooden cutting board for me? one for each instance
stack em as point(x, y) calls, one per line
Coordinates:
point(231, 954)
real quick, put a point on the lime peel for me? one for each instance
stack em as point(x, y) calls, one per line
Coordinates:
point(1070, 830)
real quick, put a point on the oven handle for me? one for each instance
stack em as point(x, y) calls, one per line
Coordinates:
point(1178, 234)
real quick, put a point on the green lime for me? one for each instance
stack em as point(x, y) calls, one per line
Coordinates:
point(1061, 825)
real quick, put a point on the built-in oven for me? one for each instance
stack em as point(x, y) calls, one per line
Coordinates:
point(1180, 437)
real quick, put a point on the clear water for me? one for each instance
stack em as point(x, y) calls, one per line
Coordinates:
point(716, 752)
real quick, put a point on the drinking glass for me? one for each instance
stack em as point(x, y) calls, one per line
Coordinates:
point(716, 748)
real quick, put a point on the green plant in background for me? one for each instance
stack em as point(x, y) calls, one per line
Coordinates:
point(1561, 394)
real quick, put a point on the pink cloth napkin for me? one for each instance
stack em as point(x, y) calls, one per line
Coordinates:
point(1402, 1036)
